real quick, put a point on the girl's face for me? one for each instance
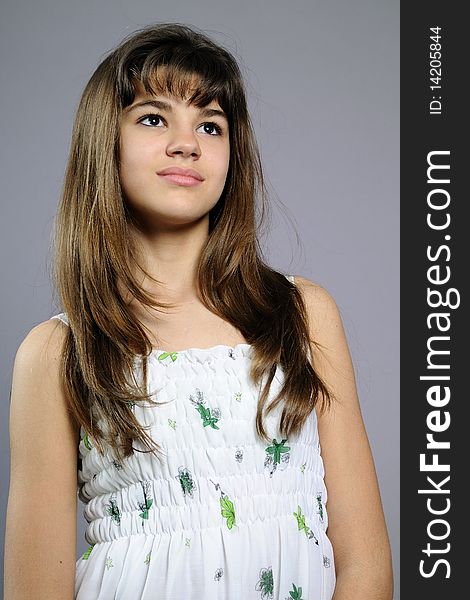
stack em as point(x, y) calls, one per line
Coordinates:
point(159, 133)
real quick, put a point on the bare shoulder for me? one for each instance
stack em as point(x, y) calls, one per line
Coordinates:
point(311, 288)
point(322, 309)
point(43, 342)
point(37, 398)
point(38, 407)
point(43, 471)
point(331, 356)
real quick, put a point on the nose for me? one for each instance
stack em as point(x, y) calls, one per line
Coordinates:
point(184, 142)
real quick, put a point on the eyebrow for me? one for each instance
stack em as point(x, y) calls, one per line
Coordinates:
point(161, 105)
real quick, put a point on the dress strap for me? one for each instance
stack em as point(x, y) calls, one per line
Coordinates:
point(291, 278)
point(62, 317)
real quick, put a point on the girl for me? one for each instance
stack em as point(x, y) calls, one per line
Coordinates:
point(221, 448)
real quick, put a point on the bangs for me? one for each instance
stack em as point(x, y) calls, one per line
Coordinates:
point(186, 74)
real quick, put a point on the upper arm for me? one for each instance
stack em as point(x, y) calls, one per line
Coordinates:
point(357, 527)
point(40, 541)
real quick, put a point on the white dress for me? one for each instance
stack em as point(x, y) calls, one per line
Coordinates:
point(225, 516)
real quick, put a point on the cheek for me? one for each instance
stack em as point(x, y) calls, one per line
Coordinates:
point(220, 164)
point(137, 167)
point(131, 164)
point(126, 158)
point(136, 146)
point(126, 169)
point(134, 154)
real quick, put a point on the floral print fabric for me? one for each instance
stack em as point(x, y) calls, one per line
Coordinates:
point(224, 515)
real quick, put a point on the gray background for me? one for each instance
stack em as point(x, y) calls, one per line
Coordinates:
point(323, 87)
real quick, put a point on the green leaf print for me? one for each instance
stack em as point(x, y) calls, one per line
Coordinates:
point(113, 510)
point(147, 503)
point(172, 355)
point(186, 481)
point(265, 583)
point(204, 411)
point(207, 418)
point(88, 552)
point(295, 594)
point(276, 454)
point(227, 510)
point(320, 506)
point(302, 525)
point(300, 519)
point(277, 449)
point(86, 441)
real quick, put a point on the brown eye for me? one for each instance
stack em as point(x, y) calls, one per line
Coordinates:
point(213, 125)
point(150, 117)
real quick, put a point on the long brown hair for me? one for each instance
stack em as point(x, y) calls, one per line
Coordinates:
point(95, 258)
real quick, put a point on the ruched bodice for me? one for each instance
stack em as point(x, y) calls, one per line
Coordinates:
point(223, 514)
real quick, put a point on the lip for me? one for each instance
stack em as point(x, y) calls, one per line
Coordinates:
point(182, 173)
point(182, 180)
